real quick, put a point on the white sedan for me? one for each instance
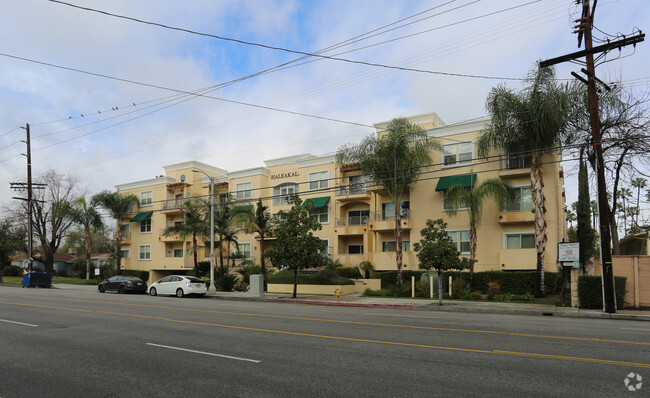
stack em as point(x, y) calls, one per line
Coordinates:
point(178, 285)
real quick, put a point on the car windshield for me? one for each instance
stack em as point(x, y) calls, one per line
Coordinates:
point(195, 279)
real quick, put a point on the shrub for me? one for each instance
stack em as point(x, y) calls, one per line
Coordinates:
point(366, 267)
point(377, 293)
point(515, 282)
point(225, 283)
point(503, 297)
point(422, 290)
point(389, 278)
point(475, 295)
point(590, 292)
point(246, 272)
point(494, 289)
point(349, 272)
point(11, 270)
point(322, 277)
point(458, 287)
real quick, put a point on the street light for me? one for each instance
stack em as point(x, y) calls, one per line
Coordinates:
point(212, 290)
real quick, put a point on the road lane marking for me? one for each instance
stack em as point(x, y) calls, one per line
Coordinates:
point(401, 316)
point(205, 353)
point(18, 323)
point(588, 339)
point(320, 336)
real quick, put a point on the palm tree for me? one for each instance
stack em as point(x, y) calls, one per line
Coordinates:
point(119, 206)
point(194, 224)
point(88, 217)
point(259, 222)
point(458, 197)
point(393, 161)
point(530, 122)
point(638, 183)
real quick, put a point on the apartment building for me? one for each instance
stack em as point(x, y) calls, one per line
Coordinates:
point(357, 217)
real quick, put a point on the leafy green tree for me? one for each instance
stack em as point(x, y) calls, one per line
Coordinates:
point(119, 206)
point(87, 216)
point(296, 245)
point(529, 122)
point(584, 231)
point(194, 224)
point(393, 161)
point(437, 251)
point(257, 221)
point(12, 239)
point(472, 199)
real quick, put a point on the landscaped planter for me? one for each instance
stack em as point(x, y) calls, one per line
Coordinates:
point(311, 289)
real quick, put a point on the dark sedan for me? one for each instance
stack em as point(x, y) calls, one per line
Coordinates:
point(123, 284)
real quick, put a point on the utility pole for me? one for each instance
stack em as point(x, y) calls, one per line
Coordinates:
point(29, 186)
point(584, 28)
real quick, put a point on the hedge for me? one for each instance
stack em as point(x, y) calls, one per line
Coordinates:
point(517, 282)
point(349, 272)
point(322, 277)
point(590, 291)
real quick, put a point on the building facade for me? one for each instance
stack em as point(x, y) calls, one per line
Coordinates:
point(357, 217)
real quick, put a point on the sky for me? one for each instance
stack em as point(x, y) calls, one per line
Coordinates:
point(107, 98)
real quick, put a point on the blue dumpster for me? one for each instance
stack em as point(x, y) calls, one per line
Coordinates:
point(40, 279)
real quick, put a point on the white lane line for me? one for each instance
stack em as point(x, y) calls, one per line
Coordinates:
point(18, 323)
point(204, 353)
point(402, 316)
point(645, 330)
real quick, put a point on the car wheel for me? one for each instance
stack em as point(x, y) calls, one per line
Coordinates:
point(122, 289)
point(152, 291)
point(101, 288)
point(179, 293)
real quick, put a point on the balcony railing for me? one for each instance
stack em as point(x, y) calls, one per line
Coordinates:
point(352, 189)
point(406, 214)
point(173, 204)
point(514, 162)
point(352, 221)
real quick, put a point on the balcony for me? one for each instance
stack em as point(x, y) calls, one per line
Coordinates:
point(352, 192)
point(383, 222)
point(514, 217)
point(170, 238)
point(356, 225)
point(515, 165)
point(172, 205)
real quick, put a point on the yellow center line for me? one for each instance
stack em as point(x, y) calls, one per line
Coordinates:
point(321, 336)
point(540, 336)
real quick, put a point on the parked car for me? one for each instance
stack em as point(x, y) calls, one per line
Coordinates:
point(122, 284)
point(178, 285)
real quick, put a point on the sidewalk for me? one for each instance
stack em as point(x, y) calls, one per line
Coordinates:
point(486, 307)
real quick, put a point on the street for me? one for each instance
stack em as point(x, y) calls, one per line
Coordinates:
point(79, 343)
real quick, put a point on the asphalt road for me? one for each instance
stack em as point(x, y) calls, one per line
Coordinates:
point(79, 343)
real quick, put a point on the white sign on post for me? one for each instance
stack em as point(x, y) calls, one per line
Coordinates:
point(568, 252)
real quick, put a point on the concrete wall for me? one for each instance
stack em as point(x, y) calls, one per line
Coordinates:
point(637, 271)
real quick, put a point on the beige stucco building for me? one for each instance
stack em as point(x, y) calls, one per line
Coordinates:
point(357, 218)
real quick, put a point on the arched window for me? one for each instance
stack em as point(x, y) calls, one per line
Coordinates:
point(281, 193)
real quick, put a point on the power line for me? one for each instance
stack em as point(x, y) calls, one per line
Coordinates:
point(296, 51)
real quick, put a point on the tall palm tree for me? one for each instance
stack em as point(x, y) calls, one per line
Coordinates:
point(88, 217)
point(638, 183)
point(472, 199)
point(258, 222)
point(529, 122)
point(194, 224)
point(119, 206)
point(393, 161)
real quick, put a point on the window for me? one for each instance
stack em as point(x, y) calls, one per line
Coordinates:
point(244, 249)
point(145, 252)
point(178, 252)
point(126, 253)
point(145, 226)
point(522, 200)
point(461, 153)
point(460, 239)
point(391, 246)
point(326, 251)
point(357, 184)
point(445, 205)
point(126, 230)
point(319, 180)
point(388, 210)
point(244, 190)
point(358, 217)
point(520, 241)
point(282, 193)
point(222, 198)
point(355, 249)
point(320, 215)
point(146, 198)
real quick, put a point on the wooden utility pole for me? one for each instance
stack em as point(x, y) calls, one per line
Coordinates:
point(584, 28)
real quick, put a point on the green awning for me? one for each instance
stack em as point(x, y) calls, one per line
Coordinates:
point(444, 183)
point(142, 216)
point(318, 202)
